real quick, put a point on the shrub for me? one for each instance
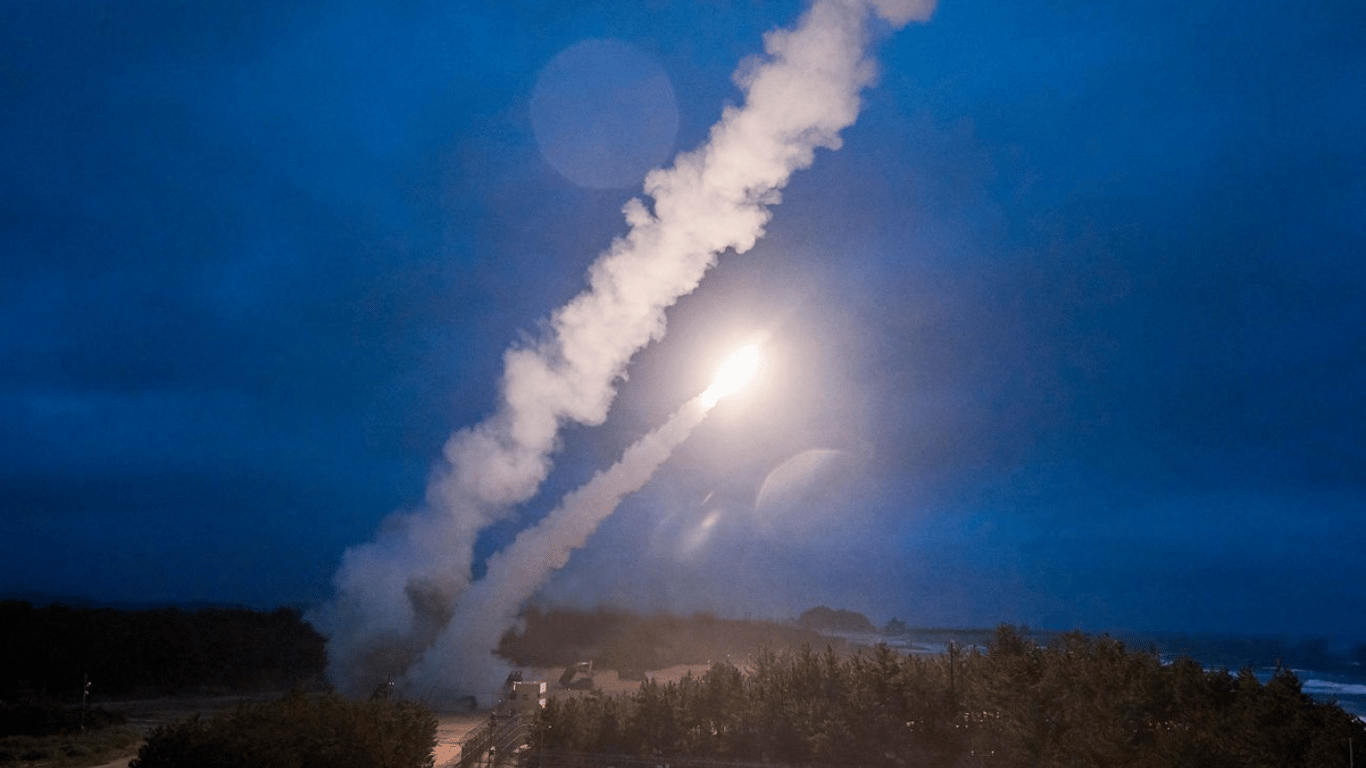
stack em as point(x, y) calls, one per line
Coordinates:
point(298, 731)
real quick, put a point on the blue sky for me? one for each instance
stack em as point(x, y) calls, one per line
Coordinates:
point(1069, 332)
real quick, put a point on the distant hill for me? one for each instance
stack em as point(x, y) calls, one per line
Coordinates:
point(823, 619)
point(633, 644)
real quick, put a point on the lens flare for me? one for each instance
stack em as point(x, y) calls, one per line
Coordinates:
point(733, 375)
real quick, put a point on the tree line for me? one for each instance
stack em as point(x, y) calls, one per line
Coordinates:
point(298, 731)
point(1077, 700)
point(51, 651)
point(631, 643)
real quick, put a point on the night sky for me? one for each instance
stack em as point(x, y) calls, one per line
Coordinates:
point(1070, 332)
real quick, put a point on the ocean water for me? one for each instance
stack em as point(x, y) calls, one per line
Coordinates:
point(1347, 689)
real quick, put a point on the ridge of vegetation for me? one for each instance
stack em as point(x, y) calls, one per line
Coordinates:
point(631, 643)
point(298, 731)
point(1078, 700)
point(53, 650)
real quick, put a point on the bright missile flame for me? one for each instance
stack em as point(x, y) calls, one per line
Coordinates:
point(733, 375)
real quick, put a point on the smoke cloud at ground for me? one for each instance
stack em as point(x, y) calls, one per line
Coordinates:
point(396, 596)
point(490, 606)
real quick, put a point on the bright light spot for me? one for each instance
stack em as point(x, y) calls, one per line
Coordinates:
point(733, 375)
point(694, 540)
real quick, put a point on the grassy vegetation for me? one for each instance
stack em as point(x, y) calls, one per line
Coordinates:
point(70, 750)
point(51, 734)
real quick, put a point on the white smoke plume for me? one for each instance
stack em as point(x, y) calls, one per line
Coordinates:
point(397, 594)
point(490, 606)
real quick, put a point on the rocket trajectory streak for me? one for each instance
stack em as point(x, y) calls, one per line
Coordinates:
point(490, 606)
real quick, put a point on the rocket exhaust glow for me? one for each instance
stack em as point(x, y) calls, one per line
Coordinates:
point(733, 375)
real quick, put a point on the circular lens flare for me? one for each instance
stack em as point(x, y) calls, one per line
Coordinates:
point(733, 375)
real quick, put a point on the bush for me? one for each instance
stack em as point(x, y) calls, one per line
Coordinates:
point(298, 731)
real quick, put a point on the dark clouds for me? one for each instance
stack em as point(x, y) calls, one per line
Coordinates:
point(1081, 293)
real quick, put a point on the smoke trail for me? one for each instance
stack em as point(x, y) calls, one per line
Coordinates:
point(490, 606)
point(395, 594)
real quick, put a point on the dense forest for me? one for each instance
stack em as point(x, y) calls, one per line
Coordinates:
point(1077, 700)
point(823, 618)
point(298, 731)
point(631, 643)
point(51, 651)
